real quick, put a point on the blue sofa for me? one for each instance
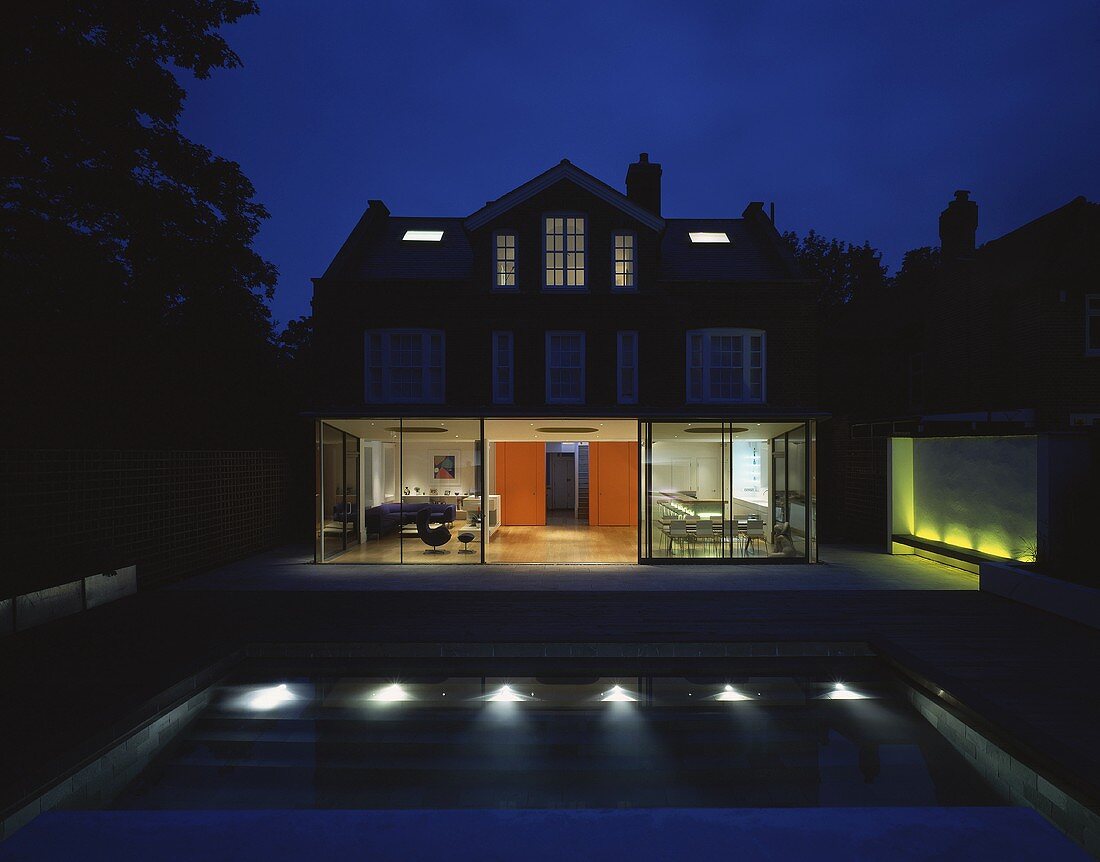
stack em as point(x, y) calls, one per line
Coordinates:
point(384, 519)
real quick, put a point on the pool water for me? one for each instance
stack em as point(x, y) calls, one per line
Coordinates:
point(469, 742)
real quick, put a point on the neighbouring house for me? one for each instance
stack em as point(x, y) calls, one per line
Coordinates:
point(566, 374)
point(973, 433)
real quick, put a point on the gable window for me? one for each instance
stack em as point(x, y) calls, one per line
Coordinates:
point(1092, 324)
point(404, 366)
point(627, 365)
point(564, 367)
point(504, 261)
point(503, 368)
point(625, 245)
point(725, 365)
point(563, 242)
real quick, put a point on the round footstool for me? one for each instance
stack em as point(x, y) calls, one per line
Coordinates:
point(466, 538)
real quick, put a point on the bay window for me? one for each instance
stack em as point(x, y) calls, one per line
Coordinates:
point(725, 365)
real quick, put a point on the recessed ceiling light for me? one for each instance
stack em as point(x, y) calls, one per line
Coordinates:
point(708, 236)
point(423, 236)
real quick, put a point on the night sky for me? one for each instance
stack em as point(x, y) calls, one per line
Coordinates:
point(857, 119)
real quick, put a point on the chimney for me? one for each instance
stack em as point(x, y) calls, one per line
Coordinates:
point(643, 184)
point(958, 224)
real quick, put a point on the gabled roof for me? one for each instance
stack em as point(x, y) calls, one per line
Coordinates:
point(564, 170)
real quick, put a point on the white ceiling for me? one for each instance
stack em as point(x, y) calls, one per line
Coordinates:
point(563, 430)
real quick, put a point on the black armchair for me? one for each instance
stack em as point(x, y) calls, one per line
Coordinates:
point(432, 536)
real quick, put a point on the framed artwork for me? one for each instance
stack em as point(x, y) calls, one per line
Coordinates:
point(443, 468)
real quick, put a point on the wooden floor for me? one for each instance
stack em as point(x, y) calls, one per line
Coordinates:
point(563, 539)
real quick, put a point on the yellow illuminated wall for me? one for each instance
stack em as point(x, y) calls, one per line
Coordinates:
point(977, 493)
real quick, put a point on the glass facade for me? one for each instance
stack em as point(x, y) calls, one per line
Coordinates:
point(437, 490)
point(726, 490)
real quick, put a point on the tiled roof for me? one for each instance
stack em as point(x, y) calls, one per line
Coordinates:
point(749, 255)
point(384, 255)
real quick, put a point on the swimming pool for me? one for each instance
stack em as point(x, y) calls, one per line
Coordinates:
point(407, 741)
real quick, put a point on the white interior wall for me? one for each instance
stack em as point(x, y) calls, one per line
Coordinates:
point(417, 466)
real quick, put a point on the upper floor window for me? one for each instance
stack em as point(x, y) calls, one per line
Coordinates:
point(627, 365)
point(504, 261)
point(563, 241)
point(404, 366)
point(564, 367)
point(1092, 324)
point(503, 368)
point(725, 365)
point(625, 247)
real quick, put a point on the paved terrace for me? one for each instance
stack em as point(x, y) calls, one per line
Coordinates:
point(1030, 672)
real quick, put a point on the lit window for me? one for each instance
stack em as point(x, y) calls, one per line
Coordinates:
point(503, 368)
point(564, 367)
point(628, 368)
point(1092, 324)
point(708, 236)
point(624, 261)
point(725, 365)
point(563, 240)
point(504, 261)
point(405, 366)
point(423, 236)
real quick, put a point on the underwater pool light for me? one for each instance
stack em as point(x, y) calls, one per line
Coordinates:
point(730, 693)
point(269, 698)
point(391, 694)
point(842, 692)
point(505, 695)
point(617, 694)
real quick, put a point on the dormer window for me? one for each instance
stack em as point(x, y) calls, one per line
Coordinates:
point(564, 250)
point(423, 236)
point(703, 236)
point(504, 261)
point(625, 250)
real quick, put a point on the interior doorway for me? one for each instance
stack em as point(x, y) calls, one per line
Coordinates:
point(561, 480)
point(567, 490)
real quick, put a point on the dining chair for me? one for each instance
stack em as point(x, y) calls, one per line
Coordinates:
point(678, 534)
point(754, 532)
point(705, 532)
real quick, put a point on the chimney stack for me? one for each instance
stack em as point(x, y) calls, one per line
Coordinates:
point(958, 225)
point(643, 184)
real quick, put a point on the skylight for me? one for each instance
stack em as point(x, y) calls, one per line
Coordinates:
point(423, 236)
point(707, 236)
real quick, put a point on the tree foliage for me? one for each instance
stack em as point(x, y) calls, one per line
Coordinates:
point(126, 248)
point(845, 271)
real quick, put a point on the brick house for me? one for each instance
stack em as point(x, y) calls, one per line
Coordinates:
point(567, 358)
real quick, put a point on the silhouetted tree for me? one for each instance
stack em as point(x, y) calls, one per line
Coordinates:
point(846, 271)
point(134, 299)
point(920, 268)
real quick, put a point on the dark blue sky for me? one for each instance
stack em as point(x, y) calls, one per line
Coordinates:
point(857, 119)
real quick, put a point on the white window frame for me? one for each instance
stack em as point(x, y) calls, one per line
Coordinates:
point(633, 286)
point(579, 398)
point(383, 351)
point(1092, 319)
point(497, 286)
point(706, 366)
point(622, 369)
point(564, 287)
point(506, 353)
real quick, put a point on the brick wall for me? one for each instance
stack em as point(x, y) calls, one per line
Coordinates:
point(69, 513)
point(852, 485)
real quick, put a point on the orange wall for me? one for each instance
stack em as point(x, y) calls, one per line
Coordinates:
point(613, 484)
point(521, 483)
